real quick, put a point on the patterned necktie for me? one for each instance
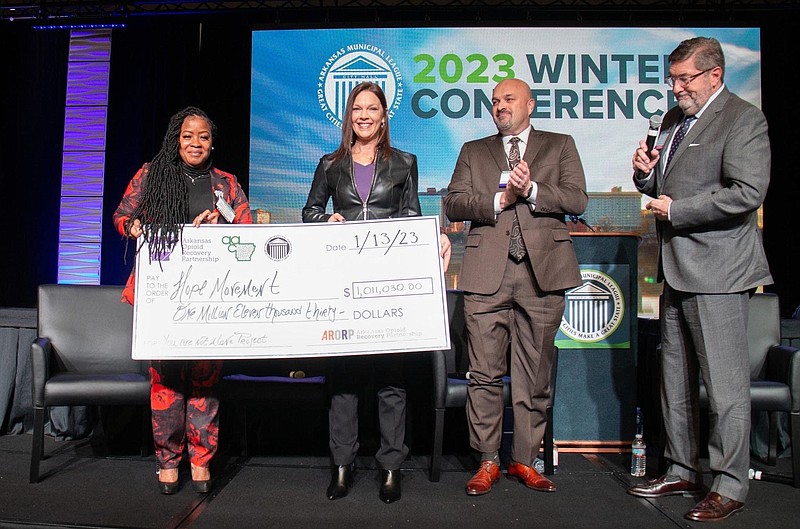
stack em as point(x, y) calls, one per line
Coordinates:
point(516, 246)
point(687, 122)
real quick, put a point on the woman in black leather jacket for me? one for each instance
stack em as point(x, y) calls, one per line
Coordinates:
point(393, 189)
point(366, 179)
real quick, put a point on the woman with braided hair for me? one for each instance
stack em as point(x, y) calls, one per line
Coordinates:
point(180, 186)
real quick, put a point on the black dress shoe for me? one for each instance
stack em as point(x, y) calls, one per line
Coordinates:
point(341, 481)
point(390, 486)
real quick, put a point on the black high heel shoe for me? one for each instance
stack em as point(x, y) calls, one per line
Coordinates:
point(201, 486)
point(390, 486)
point(167, 487)
point(341, 481)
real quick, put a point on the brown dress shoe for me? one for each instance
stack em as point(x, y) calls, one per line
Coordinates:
point(664, 486)
point(529, 477)
point(714, 508)
point(486, 476)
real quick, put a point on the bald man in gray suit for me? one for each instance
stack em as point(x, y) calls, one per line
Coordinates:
point(515, 187)
point(707, 183)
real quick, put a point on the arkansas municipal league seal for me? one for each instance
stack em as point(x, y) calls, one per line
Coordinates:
point(278, 248)
point(593, 310)
point(351, 65)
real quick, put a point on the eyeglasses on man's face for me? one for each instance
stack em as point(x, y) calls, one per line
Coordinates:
point(684, 79)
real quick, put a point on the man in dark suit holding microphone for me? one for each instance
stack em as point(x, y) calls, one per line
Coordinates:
point(707, 185)
point(515, 187)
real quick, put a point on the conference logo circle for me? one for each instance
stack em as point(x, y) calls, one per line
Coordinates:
point(594, 310)
point(351, 65)
point(278, 248)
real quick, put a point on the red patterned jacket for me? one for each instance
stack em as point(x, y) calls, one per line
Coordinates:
point(220, 181)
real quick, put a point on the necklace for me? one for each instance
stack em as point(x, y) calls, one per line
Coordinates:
point(194, 179)
point(362, 180)
point(196, 174)
point(363, 155)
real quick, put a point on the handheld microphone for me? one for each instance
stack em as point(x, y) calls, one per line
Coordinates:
point(652, 135)
point(652, 132)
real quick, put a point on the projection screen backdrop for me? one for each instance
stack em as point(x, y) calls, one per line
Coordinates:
point(601, 85)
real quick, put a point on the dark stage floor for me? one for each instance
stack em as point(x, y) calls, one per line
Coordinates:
point(84, 487)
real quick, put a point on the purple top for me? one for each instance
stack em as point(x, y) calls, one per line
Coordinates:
point(363, 176)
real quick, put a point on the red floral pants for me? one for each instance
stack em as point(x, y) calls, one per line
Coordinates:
point(184, 410)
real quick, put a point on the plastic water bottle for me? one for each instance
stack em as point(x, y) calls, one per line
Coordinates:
point(555, 457)
point(639, 448)
point(538, 463)
point(638, 457)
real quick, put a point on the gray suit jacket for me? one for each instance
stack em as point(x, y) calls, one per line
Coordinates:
point(717, 180)
point(556, 168)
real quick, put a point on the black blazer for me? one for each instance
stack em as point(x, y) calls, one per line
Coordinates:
point(393, 192)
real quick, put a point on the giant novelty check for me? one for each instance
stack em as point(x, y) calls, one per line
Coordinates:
point(293, 290)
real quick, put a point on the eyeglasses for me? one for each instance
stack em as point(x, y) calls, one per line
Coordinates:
point(684, 79)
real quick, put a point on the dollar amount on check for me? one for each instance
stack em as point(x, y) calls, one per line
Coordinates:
point(293, 290)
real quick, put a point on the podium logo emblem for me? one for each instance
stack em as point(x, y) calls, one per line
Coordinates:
point(350, 66)
point(593, 310)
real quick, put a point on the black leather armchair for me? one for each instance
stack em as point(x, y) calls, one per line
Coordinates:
point(774, 375)
point(82, 356)
point(450, 385)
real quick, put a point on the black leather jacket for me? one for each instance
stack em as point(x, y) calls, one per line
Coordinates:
point(393, 193)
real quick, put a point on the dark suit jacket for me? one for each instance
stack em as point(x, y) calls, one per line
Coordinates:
point(393, 193)
point(717, 180)
point(556, 168)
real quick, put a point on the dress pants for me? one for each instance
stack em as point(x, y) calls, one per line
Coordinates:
point(706, 334)
point(349, 376)
point(184, 410)
point(521, 313)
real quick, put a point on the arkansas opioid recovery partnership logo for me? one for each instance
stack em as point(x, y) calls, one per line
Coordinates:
point(351, 65)
point(593, 310)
